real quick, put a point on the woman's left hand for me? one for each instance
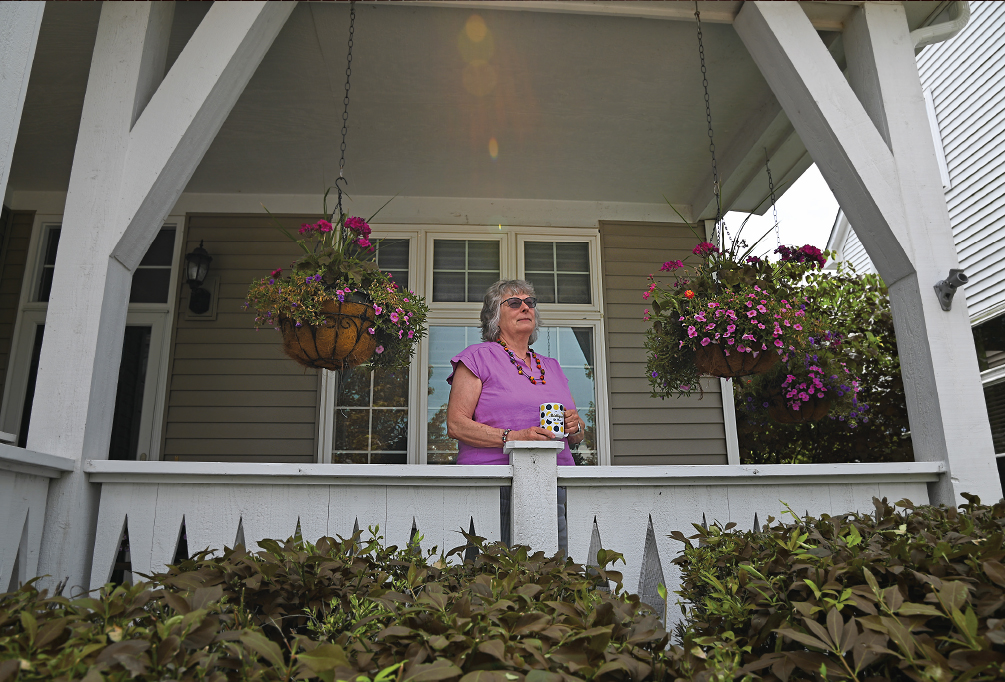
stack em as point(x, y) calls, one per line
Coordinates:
point(573, 425)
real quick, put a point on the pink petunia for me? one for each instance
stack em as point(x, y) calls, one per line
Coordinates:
point(394, 317)
point(379, 349)
point(377, 309)
point(705, 341)
point(691, 333)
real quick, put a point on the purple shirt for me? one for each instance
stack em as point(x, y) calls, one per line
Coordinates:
point(508, 399)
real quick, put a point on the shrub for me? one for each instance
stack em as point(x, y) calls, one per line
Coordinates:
point(352, 610)
point(910, 594)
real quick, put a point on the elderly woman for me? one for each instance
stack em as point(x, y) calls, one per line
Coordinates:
point(497, 389)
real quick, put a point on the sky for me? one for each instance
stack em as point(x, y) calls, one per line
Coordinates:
point(805, 215)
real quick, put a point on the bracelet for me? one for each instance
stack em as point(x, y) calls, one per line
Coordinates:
point(505, 435)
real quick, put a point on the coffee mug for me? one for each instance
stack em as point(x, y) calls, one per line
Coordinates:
point(553, 418)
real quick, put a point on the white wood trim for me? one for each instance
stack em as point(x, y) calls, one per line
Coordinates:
point(940, 151)
point(995, 375)
point(229, 473)
point(758, 475)
point(729, 422)
point(35, 463)
point(19, 26)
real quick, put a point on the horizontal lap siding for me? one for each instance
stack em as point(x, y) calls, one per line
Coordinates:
point(233, 395)
point(964, 75)
point(16, 226)
point(647, 430)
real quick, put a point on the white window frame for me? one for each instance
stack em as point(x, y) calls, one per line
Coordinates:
point(158, 316)
point(466, 314)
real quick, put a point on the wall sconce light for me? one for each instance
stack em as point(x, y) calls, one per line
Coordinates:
point(946, 288)
point(196, 269)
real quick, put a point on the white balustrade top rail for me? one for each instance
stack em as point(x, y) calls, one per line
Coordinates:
point(761, 474)
point(21, 461)
point(107, 471)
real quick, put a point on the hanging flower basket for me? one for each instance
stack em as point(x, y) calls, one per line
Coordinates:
point(340, 343)
point(712, 359)
point(812, 410)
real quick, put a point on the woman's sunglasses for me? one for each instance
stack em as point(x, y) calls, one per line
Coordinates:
point(515, 303)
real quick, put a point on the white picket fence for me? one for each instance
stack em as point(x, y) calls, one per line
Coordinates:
point(24, 488)
point(628, 509)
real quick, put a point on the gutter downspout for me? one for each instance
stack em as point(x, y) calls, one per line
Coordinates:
point(936, 33)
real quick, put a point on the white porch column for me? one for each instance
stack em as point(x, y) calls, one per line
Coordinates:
point(142, 135)
point(869, 136)
point(19, 24)
point(534, 504)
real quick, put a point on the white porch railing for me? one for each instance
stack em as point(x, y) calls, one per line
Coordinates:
point(628, 509)
point(24, 487)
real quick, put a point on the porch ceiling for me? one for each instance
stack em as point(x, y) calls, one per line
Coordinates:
point(583, 106)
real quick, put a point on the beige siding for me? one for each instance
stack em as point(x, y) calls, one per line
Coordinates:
point(647, 430)
point(16, 227)
point(233, 396)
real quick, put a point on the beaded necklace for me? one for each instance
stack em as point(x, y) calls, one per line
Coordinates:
point(519, 369)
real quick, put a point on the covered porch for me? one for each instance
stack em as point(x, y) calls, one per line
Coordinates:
point(511, 133)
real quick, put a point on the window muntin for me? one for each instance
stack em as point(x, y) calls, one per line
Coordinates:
point(573, 347)
point(559, 271)
point(463, 269)
point(392, 257)
point(371, 418)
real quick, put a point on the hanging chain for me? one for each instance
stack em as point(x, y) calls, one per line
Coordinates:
point(719, 224)
point(774, 208)
point(345, 111)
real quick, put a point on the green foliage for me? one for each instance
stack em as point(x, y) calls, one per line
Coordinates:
point(910, 594)
point(349, 610)
point(857, 310)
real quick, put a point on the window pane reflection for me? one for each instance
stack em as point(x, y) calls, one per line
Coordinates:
point(371, 420)
point(559, 271)
point(571, 346)
point(463, 269)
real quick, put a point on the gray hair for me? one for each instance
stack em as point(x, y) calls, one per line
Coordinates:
point(494, 296)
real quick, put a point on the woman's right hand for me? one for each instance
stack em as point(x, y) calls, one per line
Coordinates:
point(533, 433)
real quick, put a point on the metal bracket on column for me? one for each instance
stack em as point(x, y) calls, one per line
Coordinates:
point(945, 289)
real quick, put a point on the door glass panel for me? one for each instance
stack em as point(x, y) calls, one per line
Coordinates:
point(129, 394)
point(29, 393)
point(371, 418)
point(571, 346)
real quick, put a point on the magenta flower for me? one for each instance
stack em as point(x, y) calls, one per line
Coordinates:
point(671, 265)
point(363, 242)
point(277, 272)
point(379, 349)
point(705, 341)
point(394, 317)
point(704, 249)
point(324, 226)
point(358, 225)
point(372, 330)
point(377, 309)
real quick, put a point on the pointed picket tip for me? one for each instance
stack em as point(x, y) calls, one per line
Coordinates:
point(298, 534)
point(757, 525)
point(471, 552)
point(651, 574)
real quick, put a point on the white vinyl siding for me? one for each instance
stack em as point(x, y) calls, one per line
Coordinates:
point(964, 78)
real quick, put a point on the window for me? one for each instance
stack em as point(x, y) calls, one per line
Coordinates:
point(371, 420)
point(559, 271)
point(388, 418)
point(989, 340)
point(573, 347)
point(152, 278)
point(48, 263)
point(463, 269)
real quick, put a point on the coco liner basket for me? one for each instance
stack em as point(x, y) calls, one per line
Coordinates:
point(340, 343)
point(712, 360)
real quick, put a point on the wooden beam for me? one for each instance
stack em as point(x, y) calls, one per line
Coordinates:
point(870, 137)
point(141, 137)
point(19, 24)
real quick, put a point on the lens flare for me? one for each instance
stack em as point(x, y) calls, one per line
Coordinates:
point(479, 78)
point(493, 149)
point(475, 41)
point(476, 29)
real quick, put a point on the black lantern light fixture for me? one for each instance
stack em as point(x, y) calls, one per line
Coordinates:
point(196, 268)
